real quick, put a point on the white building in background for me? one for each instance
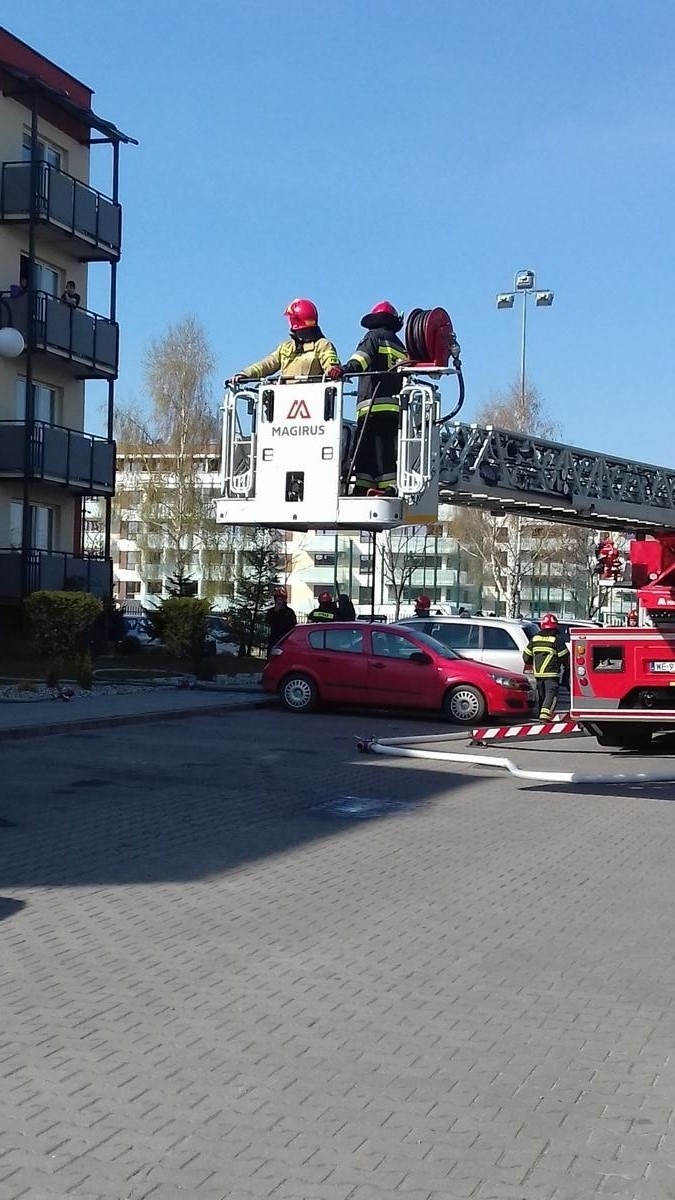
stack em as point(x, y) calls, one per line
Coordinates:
point(144, 551)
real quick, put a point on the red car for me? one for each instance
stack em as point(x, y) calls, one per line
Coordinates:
point(393, 666)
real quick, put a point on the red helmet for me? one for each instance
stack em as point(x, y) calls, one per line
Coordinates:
point(280, 593)
point(384, 309)
point(633, 616)
point(325, 597)
point(423, 602)
point(302, 314)
point(549, 621)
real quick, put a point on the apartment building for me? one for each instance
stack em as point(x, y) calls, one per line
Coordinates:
point(53, 226)
point(163, 521)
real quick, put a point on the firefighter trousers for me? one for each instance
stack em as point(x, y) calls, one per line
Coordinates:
point(547, 691)
point(375, 462)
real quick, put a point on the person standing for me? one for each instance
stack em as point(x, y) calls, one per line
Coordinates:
point(280, 619)
point(326, 609)
point(71, 296)
point(305, 353)
point(378, 402)
point(423, 606)
point(345, 608)
point(546, 655)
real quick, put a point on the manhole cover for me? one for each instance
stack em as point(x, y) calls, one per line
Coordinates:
point(365, 808)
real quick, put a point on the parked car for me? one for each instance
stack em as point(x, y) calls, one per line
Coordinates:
point(391, 666)
point(138, 633)
point(220, 637)
point(497, 641)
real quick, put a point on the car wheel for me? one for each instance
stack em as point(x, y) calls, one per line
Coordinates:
point(298, 694)
point(465, 704)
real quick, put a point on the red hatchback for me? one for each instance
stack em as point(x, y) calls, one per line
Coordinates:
point(393, 666)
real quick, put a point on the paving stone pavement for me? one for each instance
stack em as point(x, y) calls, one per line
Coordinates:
point(212, 986)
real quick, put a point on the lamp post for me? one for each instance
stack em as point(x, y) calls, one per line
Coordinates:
point(525, 284)
point(11, 340)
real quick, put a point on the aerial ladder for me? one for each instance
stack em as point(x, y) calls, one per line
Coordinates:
point(287, 459)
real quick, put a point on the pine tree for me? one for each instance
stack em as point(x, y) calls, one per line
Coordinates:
point(257, 576)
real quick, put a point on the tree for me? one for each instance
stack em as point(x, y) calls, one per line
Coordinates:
point(513, 548)
point(400, 559)
point(260, 559)
point(173, 497)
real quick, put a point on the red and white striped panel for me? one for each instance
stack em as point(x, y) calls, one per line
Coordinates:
point(561, 726)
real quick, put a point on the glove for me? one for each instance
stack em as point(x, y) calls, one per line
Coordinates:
point(235, 380)
point(335, 372)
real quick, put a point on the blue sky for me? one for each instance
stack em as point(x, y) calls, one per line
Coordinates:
point(421, 152)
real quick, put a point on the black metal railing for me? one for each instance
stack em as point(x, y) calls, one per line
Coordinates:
point(58, 455)
point(84, 338)
point(25, 571)
point(63, 201)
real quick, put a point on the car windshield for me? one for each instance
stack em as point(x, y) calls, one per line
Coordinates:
point(431, 644)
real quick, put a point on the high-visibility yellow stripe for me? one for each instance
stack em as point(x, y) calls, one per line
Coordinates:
point(361, 358)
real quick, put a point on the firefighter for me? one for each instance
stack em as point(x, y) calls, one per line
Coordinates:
point(280, 618)
point(546, 655)
point(326, 609)
point(345, 608)
point(423, 606)
point(306, 352)
point(378, 403)
point(633, 618)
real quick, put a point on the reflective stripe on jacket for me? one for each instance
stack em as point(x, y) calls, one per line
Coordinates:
point(293, 358)
point(547, 652)
point(321, 614)
point(380, 350)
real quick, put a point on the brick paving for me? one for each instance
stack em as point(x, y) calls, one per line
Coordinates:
point(213, 987)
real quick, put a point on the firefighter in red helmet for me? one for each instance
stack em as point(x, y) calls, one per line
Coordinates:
point(422, 606)
point(546, 655)
point(378, 402)
point(280, 618)
point(326, 609)
point(306, 352)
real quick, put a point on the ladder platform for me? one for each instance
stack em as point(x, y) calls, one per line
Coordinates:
point(345, 512)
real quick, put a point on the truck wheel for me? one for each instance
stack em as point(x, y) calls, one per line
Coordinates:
point(298, 693)
point(623, 737)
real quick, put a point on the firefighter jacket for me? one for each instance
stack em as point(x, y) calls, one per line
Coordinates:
point(306, 352)
point(322, 614)
point(547, 653)
point(280, 622)
point(380, 350)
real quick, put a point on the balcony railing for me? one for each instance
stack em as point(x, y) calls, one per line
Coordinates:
point(89, 341)
point(52, 570)
point(58, 455)
point(69, 207)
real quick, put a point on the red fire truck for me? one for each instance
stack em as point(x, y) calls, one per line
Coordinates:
point(622, 680)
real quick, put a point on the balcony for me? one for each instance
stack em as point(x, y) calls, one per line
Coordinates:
point(74, 217)
point(57, 455)
point(52, 570)
point(85, 339)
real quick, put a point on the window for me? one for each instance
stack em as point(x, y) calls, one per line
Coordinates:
point(46, 402)
point(45, 278)
point(392, 645)
point(154, 587)
point(46, 152)
point(344, 641)
point(153, 557)
point(365, 564)
point(43, 525)
point(16, 524)
point(495, 638)
point(132, 589)
point(460, 635)
point(324, 560)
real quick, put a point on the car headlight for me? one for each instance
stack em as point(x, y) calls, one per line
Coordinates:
point(506, 681)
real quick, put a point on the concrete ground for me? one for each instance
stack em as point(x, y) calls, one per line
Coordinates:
point(238, 959)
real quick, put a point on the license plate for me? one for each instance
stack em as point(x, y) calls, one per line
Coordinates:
point(663, 668)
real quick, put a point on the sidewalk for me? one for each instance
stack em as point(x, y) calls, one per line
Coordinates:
point(21, 719)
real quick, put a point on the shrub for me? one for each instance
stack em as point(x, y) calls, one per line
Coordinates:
point(84, 672)
point(185, 624)
point(61, 624)
point(130, 645)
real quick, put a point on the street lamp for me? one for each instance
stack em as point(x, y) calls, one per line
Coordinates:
point(11, 341)
point(525, 284)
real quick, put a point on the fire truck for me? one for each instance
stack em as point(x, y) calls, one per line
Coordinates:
point(287, 461)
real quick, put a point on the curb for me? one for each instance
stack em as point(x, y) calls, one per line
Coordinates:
point(148, 718)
